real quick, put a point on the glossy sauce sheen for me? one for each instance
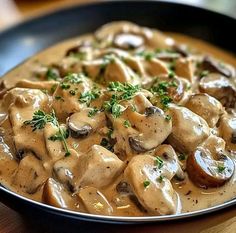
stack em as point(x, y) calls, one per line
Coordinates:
point(191, 196)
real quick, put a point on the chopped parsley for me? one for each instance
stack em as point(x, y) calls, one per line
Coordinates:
point(160, 178)
point(93, 112)
point(40, 119)
point(52, 74)
point(60, 135)
point(59, 98)
point(171, 74)
point(220, 168)
point(126, 124)
point(160, 89)
point(106, 143)
point(121, 91)
point(159, 162)
point(64, 86)
point(204, 73)
point(182, 157)
point(88, 96)
point(146, 183)
point(71, 79)
point(53, 88)
point(168, 117)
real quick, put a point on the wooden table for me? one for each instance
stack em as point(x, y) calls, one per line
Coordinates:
point(12, 222)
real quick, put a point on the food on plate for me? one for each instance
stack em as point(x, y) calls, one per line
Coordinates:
point(127, 121)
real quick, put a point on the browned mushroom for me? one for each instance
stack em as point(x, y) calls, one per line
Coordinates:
point(219, 87)
point(214, 66)
point(206, 171)
point(152, 126)
point(128, 41)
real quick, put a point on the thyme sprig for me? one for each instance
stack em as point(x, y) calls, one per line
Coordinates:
point(40, 119)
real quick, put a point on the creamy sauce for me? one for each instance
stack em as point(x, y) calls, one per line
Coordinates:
point(191, 197)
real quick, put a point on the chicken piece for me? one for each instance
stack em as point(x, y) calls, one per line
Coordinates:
point(170, 160)
point(151, 184)
point(227, 130)
point(220, 87)
point(94, 201)
point(66, 170)
point(154, 67)
point(184, 68)
point(209, 108)
point(30, 174)
point(54, 147)
point(54, 194)
point(188, 131)
point(22, 105)
point(67, 94)
point(176, 88)
point(116, 70)
point(98, 168)
point(81, 124)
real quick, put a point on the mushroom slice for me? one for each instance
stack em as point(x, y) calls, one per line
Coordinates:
point(189, 129)
point(208, 171)
point(152, 126)
point(151, 186)
point(227, 131)
point(94, 201)
point(30, 174)
point(98, 168)
point(81, 124)
point(128, 41)
point(42, 85)
point(54, 194)
point(220, 87)
point(205, 106)
point(214, 66)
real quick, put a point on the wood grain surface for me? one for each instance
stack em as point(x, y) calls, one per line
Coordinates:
point(12, 222)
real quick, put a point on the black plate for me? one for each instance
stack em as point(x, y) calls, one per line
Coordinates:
point(24, 40)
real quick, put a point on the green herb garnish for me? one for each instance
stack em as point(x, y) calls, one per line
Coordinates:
point(159, 162)
point(182, 157)
point(88, 96)
point(146, 183)
point(220, 168)
point(121, 91)
point(160, 89)
point(40, 119)
point(168, 117)
point(51, 74)
point(160, 178)
point(126, 124)
point(204, 73)
point(93, 112)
